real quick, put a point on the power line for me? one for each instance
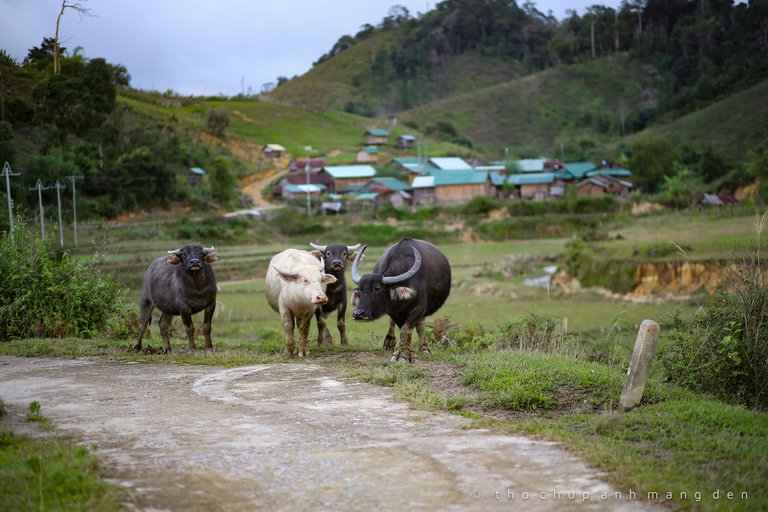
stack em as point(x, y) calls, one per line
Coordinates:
point(7, 173)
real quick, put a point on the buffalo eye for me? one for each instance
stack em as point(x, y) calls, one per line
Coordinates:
point(343, 254)
point(377, 288)
point(305, 282)
point(328, 254)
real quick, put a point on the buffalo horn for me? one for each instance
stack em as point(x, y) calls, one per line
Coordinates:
point(355, 274)
point(290, 275)
point(353, 248)
point(320, 248)
point(177, 252)
point(410, 273)
point(207, 250)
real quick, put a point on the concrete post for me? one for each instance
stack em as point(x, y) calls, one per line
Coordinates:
point(640, 366)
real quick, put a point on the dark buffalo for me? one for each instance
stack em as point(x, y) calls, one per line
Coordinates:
point(335, 257)
point(181, 283)
point(411, 280)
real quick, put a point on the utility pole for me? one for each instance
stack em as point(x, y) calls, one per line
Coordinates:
point(39, 187)
point(308, 168)
point(7, 173)
point(58, 188)
point(74, 202)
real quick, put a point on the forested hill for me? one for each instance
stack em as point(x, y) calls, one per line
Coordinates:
point(702, 49)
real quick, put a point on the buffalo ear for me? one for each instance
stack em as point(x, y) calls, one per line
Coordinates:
point(172, 259)
point(317, 254)
point(402, 293)
point(355, 297)
point(328, 279)
point(351, 256)
point(211, 257)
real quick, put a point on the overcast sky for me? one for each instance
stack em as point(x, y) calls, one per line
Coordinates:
point(208, 47)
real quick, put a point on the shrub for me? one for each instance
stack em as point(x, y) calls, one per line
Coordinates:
point(50, 294)
point(725, 352)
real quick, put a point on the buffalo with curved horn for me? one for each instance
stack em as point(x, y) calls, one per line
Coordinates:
point(335, 257)
point(180, 283)
point(411, 280)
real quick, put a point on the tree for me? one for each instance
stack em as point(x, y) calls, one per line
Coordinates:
point(651, 160)
point(65, 4)
point(223, 184)
point(217, 121)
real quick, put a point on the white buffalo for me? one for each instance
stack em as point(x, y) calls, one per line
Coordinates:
point(296, 284)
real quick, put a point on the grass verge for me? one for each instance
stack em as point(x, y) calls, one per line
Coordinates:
point(50, 474)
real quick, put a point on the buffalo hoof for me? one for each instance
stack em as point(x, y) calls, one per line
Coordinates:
point(425, 350)
point(397, 358)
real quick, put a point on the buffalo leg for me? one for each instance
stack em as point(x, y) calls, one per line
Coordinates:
point(144, 320)
point(304, 323)
point(187, 319)
point(290, 344)
point(390, 340)
point(340, 325)
point(323, 334)
point(423, 345)
point(207, 318)
point(404, 350)
point(165, 327)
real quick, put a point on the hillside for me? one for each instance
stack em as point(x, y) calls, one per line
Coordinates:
point(567, 104)
point(733, 126)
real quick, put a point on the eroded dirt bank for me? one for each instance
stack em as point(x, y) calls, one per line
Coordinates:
point(289, 437)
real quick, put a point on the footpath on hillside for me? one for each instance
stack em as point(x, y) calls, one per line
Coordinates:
point(289, 437)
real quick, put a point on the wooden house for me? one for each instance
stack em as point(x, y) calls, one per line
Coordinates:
point(386, 189)
point(456, 187)
point(273, 151)
point(600, 185)
point(195, 175)
point(423, 190)
point(342, 176)
point(368, 154)
point(299, 192)
point(405, 141)
point(375, 137)
point(532, 185)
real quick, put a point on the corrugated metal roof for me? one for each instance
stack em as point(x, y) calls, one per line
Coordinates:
point(303, 188)
point(371, 150)
point(392, 183)
point(423, 182)
point(466, 177)
point(530, 164)
point(378, 133)
point(407, 137)
point(579, 169)
point(197, 170)
point(274, 147)
point(351, 171)
point(497, 178)
point(610, 172)
point(537, 178)
point(450, 163)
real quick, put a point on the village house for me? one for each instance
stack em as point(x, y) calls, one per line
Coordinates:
point(273, 151)
point(368, 154)
point(532, 186)
point(405, 141)
point(600, 185)
point(300, 178)
point(375, 137)
point(342, 176)
point(300, 164)
point(299, 192)
point(388, 190)
point(195, 175)
point(451, 187)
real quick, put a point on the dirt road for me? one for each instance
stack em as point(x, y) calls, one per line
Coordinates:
point(289, 437)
